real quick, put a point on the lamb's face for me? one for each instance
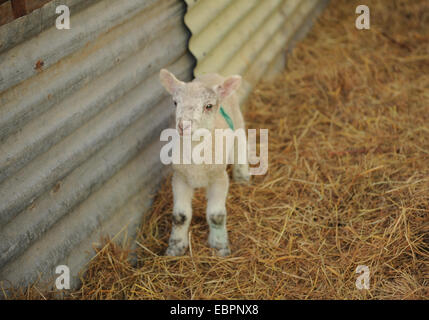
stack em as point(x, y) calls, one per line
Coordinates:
point(196, 106)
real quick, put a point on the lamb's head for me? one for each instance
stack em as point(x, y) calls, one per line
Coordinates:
point(196, 103)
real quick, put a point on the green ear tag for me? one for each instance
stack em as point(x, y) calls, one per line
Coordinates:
point(227, 118)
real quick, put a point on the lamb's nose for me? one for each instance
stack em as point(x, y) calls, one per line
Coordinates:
point(183, 127)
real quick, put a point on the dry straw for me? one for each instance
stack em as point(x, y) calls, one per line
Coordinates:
point(348, 180)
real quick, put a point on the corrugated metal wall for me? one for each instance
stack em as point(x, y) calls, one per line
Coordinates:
point(81, 112)
point(246, 37)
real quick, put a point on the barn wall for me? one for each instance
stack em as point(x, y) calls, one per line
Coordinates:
point(246, 37)
point(81, 112)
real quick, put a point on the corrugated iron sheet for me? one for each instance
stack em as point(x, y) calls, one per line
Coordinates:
point(246, 37)
point(81, 112)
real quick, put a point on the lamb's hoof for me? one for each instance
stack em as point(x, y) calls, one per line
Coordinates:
point(224, 252)
point(222, 248)
point(175, 251)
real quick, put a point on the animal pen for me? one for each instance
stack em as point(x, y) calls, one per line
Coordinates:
point(82, 185)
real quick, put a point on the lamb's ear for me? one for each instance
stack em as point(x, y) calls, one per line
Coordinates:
point(230, 85)
point(169, 81)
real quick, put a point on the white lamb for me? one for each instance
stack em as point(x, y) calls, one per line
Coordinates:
point(198, 105)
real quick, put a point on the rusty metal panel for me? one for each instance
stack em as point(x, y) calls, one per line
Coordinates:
point(81, 111)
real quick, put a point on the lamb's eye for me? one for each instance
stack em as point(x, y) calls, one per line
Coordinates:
point(209, 106)
point(175, 103)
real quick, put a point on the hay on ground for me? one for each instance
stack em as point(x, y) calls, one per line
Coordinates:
point(348, 180)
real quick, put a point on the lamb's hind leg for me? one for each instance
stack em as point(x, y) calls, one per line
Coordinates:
point(240, 168)
point(216, 214)
point(182, 214)
point(241, 173)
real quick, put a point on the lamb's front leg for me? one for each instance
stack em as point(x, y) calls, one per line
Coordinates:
point(216, 214)
point(182, 214)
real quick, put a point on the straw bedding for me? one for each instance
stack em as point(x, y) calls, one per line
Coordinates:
point(348, 179)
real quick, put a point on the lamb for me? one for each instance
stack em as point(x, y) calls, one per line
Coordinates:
point(209, 102)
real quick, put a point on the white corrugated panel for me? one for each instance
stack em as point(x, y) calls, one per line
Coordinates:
point(81, 112)
point(245, 37)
